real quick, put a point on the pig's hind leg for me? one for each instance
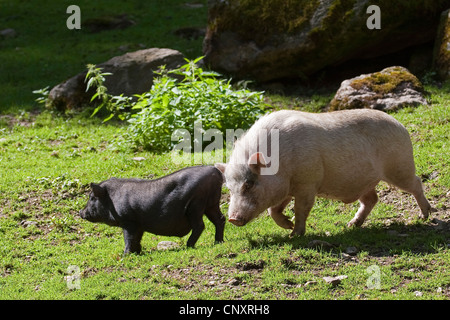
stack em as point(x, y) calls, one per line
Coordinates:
point(367, 201)
point(413, 185)
point(217, 218)
point(194, 214)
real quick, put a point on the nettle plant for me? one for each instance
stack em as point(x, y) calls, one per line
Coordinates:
point(173, 104)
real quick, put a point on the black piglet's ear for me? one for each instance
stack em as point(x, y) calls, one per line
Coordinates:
point(98, 190)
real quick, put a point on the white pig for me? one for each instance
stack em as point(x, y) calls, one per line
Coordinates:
point(339, 155)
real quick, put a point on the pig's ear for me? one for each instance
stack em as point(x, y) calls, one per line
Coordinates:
point(98, 190)
point(256, 162)
point(221, 167)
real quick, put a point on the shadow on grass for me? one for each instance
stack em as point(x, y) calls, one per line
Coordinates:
point(379, 241)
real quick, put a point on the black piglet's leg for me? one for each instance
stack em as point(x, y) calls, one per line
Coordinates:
point(132, 236)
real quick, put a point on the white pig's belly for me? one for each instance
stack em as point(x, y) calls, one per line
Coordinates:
point(345, 199)
point(346, 190)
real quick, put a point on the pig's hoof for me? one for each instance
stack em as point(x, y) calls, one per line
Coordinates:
point(354, 222)
point(287, 224)
point(426, 215)
point(297, 233)
point(423, 217)
point(283, 221)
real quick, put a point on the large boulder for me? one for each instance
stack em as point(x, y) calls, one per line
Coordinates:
point(268, 40)
point(389, 89)
point(132, 73)
point(441, 59)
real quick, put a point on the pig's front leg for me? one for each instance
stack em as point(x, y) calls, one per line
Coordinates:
point(303, 205)
point(132, 236)
point(276, 212)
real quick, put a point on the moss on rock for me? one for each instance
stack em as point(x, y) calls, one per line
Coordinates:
point(256, 19)
point(387, 81)
point(442, 47)
point(273, 39)
point(389, 89)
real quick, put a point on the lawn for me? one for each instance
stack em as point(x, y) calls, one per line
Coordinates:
point(48, 159)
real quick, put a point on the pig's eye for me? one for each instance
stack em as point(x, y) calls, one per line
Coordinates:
point(247, 185)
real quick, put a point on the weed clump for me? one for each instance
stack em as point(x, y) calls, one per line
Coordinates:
point(171, 104)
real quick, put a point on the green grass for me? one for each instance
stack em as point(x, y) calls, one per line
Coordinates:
point(46, 53)
point(47, 161)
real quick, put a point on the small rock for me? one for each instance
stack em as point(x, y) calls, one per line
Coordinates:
point(26, 223)
point(8, 33)
point(245, 266)
point(233, 282)
point(308, 283)
point(335, 280)
point(439, 224)
point(138, 158)
point(194, 5)
point(351, 251)
point(346, 256)
point(227, 255)
point(418, 293)
point(320, 243)
point(166, 245)
point(107, 22)
point(392, 233)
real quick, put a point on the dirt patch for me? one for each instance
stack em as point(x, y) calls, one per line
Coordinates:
point(407, 208)
point(39, 212)
point(25, 119)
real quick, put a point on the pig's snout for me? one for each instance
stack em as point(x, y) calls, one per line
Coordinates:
point(237, 221)
point(82, 213)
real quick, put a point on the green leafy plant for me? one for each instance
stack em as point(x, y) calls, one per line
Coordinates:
point(173, 104)
point(43, 95)
point(95, 78)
